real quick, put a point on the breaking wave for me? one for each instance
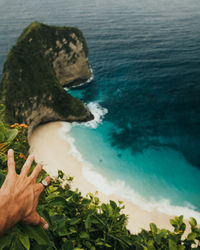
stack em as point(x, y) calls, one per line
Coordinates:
point(98, 112)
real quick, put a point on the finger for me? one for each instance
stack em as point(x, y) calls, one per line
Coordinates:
point(33, 219)
point(41, 187)
point(44, 223)
point(11, 162)
point(36, 219)
point(36, 171)
point(27, 165)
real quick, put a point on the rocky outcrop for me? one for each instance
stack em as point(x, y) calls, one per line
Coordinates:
point(43, 60)
point(71, 68)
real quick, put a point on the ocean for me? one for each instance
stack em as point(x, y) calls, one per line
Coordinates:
point(144, 143)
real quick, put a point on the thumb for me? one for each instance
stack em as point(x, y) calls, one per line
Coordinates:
point(44, 223)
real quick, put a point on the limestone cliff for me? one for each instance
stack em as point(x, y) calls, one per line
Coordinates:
point(71, 67)
point(43, 59)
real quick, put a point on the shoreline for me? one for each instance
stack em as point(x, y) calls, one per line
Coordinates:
point(53, 149)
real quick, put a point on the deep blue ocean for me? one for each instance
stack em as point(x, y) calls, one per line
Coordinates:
point(145, 93)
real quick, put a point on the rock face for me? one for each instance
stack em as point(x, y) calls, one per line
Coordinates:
point(43, 60)
point(71, 68)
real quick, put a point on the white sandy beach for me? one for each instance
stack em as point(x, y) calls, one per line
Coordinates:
point(50, 148)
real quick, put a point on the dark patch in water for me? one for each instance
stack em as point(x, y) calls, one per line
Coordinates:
point(164, 116)
point(91, 92)
point(119, 155)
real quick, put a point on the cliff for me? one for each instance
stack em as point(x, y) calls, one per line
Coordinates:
point(43, 60)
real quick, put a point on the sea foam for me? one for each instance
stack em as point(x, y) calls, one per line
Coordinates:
point(83, 83)
point(120, 188)
point(98, 112)
point(91, 77)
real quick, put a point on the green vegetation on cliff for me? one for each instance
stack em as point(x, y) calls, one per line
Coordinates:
point(30, 88)
point(77, 222)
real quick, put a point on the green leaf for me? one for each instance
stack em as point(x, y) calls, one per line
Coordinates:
point(35, 246)
point(87, 223)
point(150, 245)
point(2, 127)
point(107, 245)
point(180, 219)
point(58, 201)
point(94, 221)
point(86, 202)
point(181, 247)
point(192, 236)
point(68, 245)
point(96, 200)
point(5, 241)
point(158, 238)
point(10, 135)
point(74, 221)
point(172, 245)
point(153, 228)
point(110, 210)
point(16, 244)
point(173, 222)
point(60, 174)
point(100, 243)
point(38, 234)
point(87, 244)
point(164, 233)
point(2, 136)
point(2, 108)
point(24, 239)
point(113, 204)
point(72, 230)
point(192, 222)
point(84, 235)
point(61, 228)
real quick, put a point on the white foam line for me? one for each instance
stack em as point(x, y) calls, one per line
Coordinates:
point(83, 83)
point(92, 75)
point(119, 187)
point(98, 112)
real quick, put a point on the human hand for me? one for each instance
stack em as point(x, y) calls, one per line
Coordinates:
point(19, 195)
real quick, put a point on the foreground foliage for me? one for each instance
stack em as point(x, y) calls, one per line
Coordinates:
point(77, 222)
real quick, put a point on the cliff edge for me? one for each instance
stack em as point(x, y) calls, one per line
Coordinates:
point(43, 60)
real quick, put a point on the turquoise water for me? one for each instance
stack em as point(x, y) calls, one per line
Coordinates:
point(151, 177)
point(145, 57)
